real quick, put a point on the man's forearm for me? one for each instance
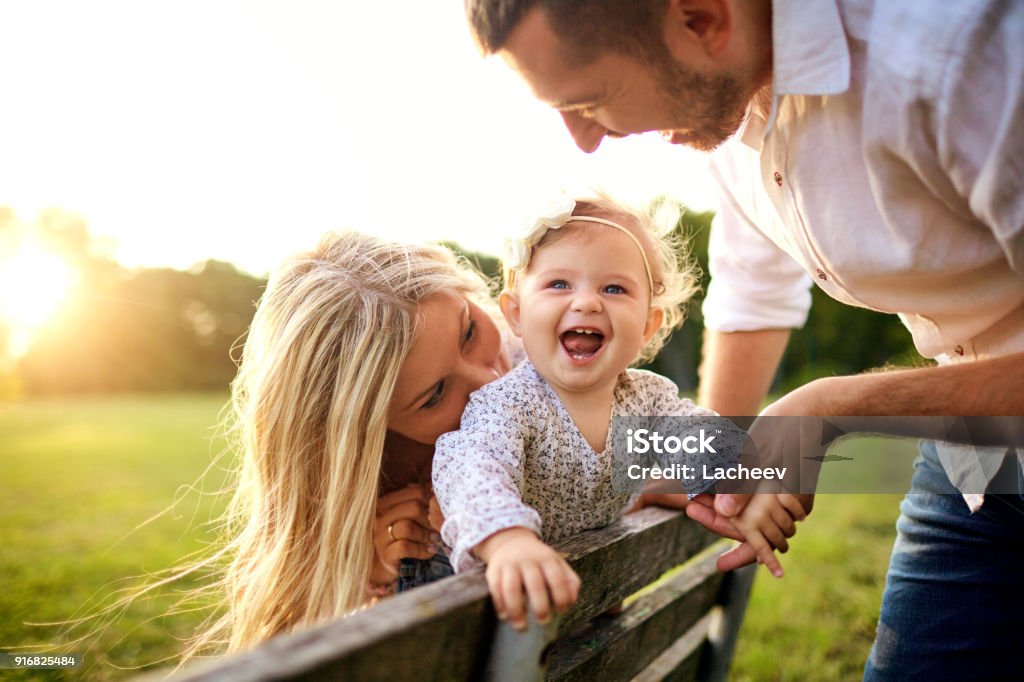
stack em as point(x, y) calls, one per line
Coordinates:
point(738, 368)
point(977, 402)
point(994, 386)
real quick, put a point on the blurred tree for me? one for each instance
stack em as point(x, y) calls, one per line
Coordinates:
point(164, 329)
point(156, 329)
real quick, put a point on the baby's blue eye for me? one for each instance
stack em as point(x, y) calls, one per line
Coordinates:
point(614, 289)
point(559, 284)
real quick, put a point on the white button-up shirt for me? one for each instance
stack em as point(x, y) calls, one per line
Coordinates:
point(889, 171)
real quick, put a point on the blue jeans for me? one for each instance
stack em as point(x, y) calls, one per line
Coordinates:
point(953, 606)
point(415, 572)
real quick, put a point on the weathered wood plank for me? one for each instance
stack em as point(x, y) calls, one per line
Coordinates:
point(725, 627)
point(617, 647)
point(444, 630)
point(635, 551)
point(440, 631)
point(681, 661)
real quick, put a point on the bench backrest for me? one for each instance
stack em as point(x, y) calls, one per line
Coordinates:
point(682, 626)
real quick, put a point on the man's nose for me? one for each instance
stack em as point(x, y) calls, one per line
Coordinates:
point(587, 133)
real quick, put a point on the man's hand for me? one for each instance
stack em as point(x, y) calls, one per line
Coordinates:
point(516, 560)
point(702, 509)
point(666, 500)
point(788, 433)
point(767, 522)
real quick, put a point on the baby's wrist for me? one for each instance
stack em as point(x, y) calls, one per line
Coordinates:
point(487, 549)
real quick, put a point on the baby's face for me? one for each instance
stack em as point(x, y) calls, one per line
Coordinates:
point(582, 307)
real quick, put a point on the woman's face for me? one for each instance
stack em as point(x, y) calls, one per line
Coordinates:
point(457, 350)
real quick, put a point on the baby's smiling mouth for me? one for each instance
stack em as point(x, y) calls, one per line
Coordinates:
point(582, 343)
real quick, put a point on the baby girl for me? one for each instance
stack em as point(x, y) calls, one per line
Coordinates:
point(591, 289)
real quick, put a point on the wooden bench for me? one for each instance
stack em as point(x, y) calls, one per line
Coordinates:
point(683, 626)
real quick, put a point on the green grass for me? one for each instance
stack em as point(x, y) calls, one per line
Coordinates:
point(78, 476)
point(818, 621)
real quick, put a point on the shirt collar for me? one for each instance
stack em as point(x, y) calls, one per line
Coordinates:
point(810, 56)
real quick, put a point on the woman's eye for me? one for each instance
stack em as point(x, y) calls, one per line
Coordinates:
point(436, 396)
point(614, 289)
point(470, 332)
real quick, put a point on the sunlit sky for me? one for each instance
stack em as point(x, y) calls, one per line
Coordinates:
point(242, 130)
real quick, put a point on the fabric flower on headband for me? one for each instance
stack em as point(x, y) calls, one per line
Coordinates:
point(559, 212)
point(553, 216)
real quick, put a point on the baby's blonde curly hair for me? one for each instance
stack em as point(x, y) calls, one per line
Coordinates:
point(675, 274)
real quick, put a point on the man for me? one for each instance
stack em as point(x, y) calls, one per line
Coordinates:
point(875, 148)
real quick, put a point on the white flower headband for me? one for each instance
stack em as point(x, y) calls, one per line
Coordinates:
point(555, 215)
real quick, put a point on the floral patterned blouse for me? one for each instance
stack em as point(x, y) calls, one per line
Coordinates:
point(520, 460)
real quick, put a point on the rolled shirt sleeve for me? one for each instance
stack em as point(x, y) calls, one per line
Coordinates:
point(754, 284)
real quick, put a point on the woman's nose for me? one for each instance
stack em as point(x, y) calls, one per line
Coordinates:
point(586, 132)
point(478, 374)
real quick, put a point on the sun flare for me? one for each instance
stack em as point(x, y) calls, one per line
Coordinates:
point(33, 284)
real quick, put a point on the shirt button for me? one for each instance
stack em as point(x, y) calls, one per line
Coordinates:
point(778, 178)
point(959, 350)
point(821, 275)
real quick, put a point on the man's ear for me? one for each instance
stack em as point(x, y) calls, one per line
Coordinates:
point(508, 301)
point(697, 24)
point(654, 319)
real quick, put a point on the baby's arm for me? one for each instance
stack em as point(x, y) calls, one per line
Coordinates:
point(518, 561)
point(766, 522)
point(478, 479)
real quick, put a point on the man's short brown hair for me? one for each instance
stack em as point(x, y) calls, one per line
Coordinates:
point(589, 27)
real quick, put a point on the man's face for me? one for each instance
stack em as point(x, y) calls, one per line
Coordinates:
point(617, 95)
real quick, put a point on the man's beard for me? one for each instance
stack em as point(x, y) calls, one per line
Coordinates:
point(711, 108)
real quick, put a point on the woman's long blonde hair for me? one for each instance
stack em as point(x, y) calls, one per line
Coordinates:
point(310, 407)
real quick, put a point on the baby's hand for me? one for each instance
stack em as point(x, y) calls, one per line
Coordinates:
point(766, 522)
point(517, 559)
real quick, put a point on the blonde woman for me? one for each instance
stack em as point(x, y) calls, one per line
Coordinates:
point(361, 353)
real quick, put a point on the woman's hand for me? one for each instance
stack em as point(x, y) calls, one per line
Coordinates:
point(434, 514)
point(402, 530)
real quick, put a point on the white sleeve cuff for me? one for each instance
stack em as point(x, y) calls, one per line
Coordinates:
point(754, 283)
point(728, 310)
